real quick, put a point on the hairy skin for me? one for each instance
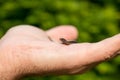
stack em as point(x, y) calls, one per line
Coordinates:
point(27, 50)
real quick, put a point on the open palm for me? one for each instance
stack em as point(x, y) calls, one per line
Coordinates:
point(28, 50)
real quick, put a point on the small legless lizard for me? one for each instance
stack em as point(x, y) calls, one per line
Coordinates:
point(64, 41)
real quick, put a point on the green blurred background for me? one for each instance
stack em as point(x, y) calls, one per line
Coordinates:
point(94, 19)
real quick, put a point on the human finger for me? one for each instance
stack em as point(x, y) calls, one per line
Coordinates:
point(65, 31)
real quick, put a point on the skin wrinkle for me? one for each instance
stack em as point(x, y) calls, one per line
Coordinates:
point(26, 50)
point(5, 62)
point(17, 58)
point(108, 53)
point(103, 56)
point(107, 57)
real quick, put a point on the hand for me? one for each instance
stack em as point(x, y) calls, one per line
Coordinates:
point(26, 50)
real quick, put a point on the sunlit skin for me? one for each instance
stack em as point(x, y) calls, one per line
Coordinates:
point(27, 50)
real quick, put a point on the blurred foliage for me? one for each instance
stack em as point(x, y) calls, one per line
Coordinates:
point(94, 19)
